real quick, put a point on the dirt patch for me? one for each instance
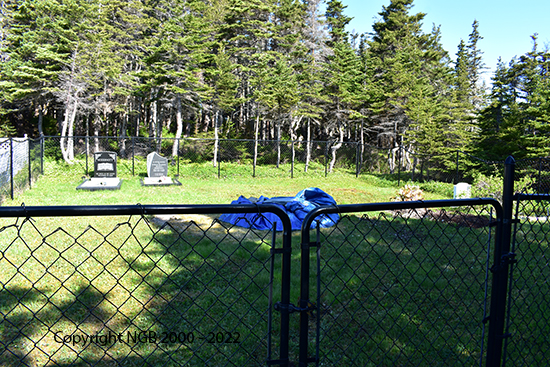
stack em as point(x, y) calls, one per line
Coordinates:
point(458, 218)
point(461, 219)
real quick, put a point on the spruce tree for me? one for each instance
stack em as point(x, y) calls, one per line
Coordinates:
point(410, 71)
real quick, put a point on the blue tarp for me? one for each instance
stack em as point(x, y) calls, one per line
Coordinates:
point(296, 207)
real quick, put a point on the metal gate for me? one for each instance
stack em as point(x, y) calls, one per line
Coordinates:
point(131, 288)
point(398, 284)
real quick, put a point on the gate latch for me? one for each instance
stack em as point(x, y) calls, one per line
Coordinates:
point(506, 259)
point(509, 258)
point(278, 306)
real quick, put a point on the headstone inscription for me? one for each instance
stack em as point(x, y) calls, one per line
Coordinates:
point(157, 171)
point(105, 164)
point(157, 166)
point(104, 173)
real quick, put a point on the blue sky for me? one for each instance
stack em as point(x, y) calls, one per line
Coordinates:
point(505, 25)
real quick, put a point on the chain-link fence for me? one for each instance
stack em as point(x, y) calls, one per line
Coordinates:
point(449, 282)
point(20, 164)
point(528, 314)
point(166, 286)
point(234, 157)
point(400, 284)
point(264, 158)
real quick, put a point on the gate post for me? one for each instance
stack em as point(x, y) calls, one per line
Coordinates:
point(502, 259)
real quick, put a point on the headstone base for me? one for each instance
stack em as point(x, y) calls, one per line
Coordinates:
point(96, 183)
point(159, 181)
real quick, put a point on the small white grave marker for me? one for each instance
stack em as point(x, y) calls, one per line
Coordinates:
point(462, 190)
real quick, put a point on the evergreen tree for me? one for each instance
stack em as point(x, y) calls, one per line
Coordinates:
point(535, 71)
point(342, 78)
point(516, 120)
point(246, 33)
point(410, 71)
point(337, 22)
point(462, 74)
point(40, 41)
point(176, 61)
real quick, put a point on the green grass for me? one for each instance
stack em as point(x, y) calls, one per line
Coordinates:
point(399, 292)
point(200, 185)
point(395, 291)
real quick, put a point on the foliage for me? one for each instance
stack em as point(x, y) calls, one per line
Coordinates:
point(409, 192)
point(516, 120)
point(265, 68)
point(441, 188)
point(487, 186)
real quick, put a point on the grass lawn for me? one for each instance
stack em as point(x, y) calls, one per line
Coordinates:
point(195, 291)
point(200, 185)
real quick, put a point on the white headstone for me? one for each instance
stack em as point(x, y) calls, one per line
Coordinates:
point(462, 190)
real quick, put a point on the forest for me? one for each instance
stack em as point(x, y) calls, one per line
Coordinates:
point(263, 69)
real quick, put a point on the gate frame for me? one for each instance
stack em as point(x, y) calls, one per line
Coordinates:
point(305, 305)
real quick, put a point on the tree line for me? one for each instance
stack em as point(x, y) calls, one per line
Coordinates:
point(262, 69)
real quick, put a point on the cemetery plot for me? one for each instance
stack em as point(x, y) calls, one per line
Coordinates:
point(104, 173)
point(157, 172)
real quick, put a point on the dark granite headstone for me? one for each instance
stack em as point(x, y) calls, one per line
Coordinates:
point(157, 166)
point(105, 164)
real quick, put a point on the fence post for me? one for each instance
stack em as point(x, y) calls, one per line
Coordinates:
point(502, 259)
point(133, 155)
point(178, 158)
point(357, 167)
point(87, 151)
point(42, 154)
point(29, 158)
point(540, 169)
point(326, 158)
point(11, 168)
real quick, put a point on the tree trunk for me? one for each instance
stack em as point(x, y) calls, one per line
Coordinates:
point(362, 142)
point(256, 130)
point(96, 133)
point(40, 120)
point(308, 144)
point(294, 123)
point(153, 120)
point(123, 128)
point(66, 133)
point(179, 126)
point(278, 142)
point(158, 128)
point(391, 158)
point(216, 140)
point(336, 147)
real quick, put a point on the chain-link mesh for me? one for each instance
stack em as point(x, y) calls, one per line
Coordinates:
point(269, 158)
point(404, 288)
point(20, 165)
point(529, 294)
point(396, 287)
point(195, 157)
point(150, 291)
point(532, 176)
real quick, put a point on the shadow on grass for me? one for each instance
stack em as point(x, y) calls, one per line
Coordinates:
point(141, 293)
point(396, 289)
